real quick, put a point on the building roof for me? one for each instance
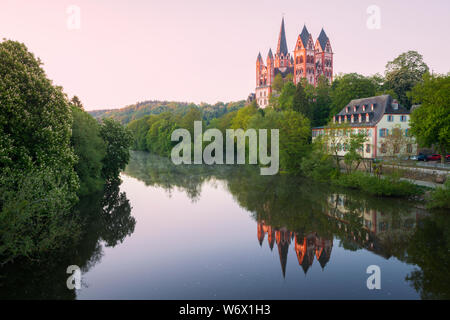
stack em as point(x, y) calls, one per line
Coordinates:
point(270, 55)
point(284, 73)
point(259, 58)
point(382, 105)
point(282, 45)
point(304, 36)
point(323, 39)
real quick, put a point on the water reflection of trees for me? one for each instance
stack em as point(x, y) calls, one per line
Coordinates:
point(294, 210)
point(106, 219)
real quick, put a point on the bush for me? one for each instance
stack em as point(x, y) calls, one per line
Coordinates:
point(440, 197)
point(390, 186)
point(317, 164)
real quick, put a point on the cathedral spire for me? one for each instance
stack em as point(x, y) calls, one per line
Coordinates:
point(259, 58)
point(270, 55)
point(323, 39)
point(304, 36)
point(282, 46)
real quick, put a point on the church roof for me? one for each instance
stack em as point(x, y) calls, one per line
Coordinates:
point(259, 58)
point(304, 36)
point(270, 55)
point(323, 39)
point(282, 45)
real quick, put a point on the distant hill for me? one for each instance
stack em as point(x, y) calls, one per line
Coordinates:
point(141, 109)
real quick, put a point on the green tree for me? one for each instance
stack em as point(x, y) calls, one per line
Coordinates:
point(354, 155)
point(285, 100)
point(403, 73)
point(278, 83)
point(118, 140)
point(348, 87)
point(187, 122)
point(301, 103)
point(295, 135)
point(38, 183)
point(322, 103)
point(430, 123)
point(90, 150)
point(139, 129)
point(240, 121)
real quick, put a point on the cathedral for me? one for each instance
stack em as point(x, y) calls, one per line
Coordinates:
point(308, 61)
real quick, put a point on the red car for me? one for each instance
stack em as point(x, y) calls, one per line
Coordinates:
point(434, 157)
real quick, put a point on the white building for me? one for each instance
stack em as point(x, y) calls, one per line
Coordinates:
point(377, 117)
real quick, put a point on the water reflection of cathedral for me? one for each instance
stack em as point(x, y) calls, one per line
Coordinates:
point(361, 228)
point(307, 247)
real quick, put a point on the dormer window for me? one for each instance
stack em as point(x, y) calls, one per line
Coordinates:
point(354, 109)
point(371, 107)
point(340, 119)
point(334, 119)
point(347, 109)
point(395, 104)
point(364, 107)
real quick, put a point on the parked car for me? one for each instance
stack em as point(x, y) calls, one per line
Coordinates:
point(421, 157)
point(434, 157)
point(447, 157)
point(416, 157)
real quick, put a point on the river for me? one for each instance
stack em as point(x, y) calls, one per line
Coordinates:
point(226, 232)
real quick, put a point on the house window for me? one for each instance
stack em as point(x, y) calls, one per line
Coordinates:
point(353, 118)
point(367, 148)
point(367, 117)
point(390, 118)
point(403, 118)
point(383, 148)
point(383, 132)
point(409, 148)
point(406, 132)
point(396, 148)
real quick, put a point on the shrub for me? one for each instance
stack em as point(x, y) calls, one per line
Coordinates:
point(388, 186)
point(440, 197)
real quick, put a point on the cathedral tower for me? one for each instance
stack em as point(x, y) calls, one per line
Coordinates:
point(324, 57)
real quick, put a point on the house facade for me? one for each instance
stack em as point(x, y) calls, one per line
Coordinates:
point(378, 118)
point(309, 61)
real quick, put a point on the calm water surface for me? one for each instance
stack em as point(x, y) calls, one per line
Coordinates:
point(225, 232)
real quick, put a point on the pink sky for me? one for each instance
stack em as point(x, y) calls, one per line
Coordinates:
point(205, 50)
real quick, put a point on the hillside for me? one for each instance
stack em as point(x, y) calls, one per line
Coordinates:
point(141, 109)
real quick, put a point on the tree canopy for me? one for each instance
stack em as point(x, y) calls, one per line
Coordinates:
point(430, 123)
